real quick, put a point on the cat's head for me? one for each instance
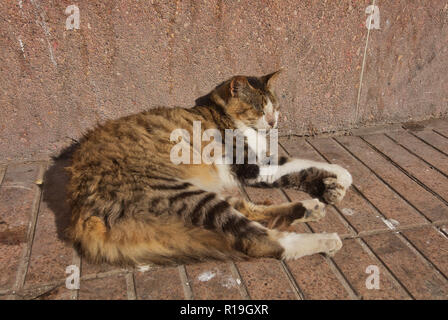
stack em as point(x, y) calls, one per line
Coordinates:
point(249, 101)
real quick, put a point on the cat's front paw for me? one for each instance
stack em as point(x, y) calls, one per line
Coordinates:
point(335, 188)
point(334, 191)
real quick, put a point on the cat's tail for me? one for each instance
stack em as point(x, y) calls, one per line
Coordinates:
point(136, 243)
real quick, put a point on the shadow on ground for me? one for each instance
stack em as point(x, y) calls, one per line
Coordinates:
point(55, 190)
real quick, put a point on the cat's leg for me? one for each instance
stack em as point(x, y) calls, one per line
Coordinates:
point(281, 215)
point(189, 225)
point(254, 240)
point(209, 211)
point(297, 245)
point(320, 179)
point(292, 246)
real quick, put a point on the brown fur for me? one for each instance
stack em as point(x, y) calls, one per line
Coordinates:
point(132, 205)
point(274, 216)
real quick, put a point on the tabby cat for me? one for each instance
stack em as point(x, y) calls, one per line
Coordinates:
point(132, 205)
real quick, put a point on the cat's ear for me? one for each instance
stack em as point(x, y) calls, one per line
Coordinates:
point(269, 79)
point(238, 84)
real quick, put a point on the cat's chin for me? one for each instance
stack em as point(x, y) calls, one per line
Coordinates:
point(258, 127)
point(267, 128)
point(262, 125)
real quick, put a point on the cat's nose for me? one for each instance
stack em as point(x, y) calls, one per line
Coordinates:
point(271, 123)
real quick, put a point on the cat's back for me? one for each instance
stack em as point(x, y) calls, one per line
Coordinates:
point(130, 142)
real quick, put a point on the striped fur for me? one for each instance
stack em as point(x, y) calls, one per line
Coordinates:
point(132, 205)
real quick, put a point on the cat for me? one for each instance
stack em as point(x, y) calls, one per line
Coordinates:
point(131, 205)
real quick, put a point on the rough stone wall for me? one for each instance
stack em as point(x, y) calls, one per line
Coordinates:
point(132, 55)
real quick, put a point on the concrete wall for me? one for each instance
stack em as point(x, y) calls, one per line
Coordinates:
point(132, 55)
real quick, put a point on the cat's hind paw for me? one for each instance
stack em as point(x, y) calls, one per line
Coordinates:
point(315, 210)
point(331, 244)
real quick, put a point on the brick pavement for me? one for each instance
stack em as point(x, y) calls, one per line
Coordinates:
point(394, 218)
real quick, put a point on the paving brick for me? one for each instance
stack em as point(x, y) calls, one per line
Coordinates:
point(423, 150)
point(330, 223)
point(354, 207)
point(2, 173)
point(159, 283)
point(17, 194)
point(336, 154)
point(434, 139)
point(382, 197)
point(433, 244)
point(50, 253)
point(51, 291)
point(15, 207)
point(444, 229)
point(353, 261)
point(21, 175)
point(421, 280)
point(265, 279)
point(57, 293)
point(213, 280)
point(299, 148)
point(442, 131)
point(361, 215)
point(424, 201)
point(110, 288)
point(413, 165)
point(93, 268)
point(440, 124)
point(315, 278)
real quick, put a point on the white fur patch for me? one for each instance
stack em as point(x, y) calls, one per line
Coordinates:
point(226, 177)
point(269, 108)
point(273, 173)
point(256, 141)
point(298, 245)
